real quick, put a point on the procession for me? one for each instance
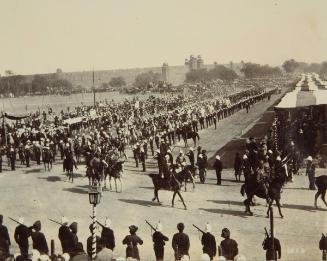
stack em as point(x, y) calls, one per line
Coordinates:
point(163, 132)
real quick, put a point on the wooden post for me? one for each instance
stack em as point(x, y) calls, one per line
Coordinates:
point(52, 251)
point(271, 212)
point(93, 90)
point(94, 223)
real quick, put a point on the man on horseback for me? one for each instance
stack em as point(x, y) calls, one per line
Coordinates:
point(180, 160)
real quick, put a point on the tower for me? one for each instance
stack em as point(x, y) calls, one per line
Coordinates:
point(165, 72)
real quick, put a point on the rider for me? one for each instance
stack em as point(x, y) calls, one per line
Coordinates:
point(201, 163)
point(262, 178)
point(180, 160)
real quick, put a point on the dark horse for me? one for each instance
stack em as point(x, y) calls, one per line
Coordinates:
point(253, 187)
point(174, 184)
point(187, 174)
point(69, 163)
point(47, 157)
point(115, 171)
point(190, 135)
point(321, 183)
point(94, 171)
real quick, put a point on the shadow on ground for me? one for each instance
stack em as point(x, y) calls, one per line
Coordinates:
point(76, 190)
point(51, 178)
point(230, 212)
point(300, 207)
point(146, 203)
point(227, 202)
point(29, 171)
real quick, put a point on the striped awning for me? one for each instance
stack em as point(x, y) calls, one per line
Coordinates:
point(309, 91)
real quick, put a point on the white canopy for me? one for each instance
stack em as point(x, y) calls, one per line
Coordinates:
point(305, 93)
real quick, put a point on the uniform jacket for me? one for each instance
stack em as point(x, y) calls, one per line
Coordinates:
point(39, 242)
point(181, 244)
point(229, 248)
point(159, 239)
point(218, 165)
point(22, 233)
point(67, 240)
point(108, 237)
point(4, 239)
point(269, 251)
point(209, 244)
point(131, 250)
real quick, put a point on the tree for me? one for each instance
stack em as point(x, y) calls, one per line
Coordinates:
point(323, 70)
point(290, 66)
point(39, 84)
point(144, 80)
point(117, 82)
point(221, 72)
point(253, 70)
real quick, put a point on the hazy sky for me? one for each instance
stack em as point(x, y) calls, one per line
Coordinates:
point(41, 35)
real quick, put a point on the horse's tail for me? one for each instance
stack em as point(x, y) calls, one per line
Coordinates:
point(197, 135)
point(242, 190)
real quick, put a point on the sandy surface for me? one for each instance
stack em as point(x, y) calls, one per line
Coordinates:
point(38, 194)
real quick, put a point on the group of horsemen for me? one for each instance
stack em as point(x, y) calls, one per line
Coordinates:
point(120, 125)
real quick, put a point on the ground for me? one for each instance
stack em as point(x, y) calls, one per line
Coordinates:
point(38, 194)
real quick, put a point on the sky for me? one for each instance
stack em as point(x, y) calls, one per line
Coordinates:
point(39, 36)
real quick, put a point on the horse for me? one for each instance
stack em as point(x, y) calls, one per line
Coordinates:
point(187, 174)
point(115, 171)
point(321, 183)
point(78, 150)
point(174, 184)
point(253, 187)
point(190, 135)
point(68, 164)
point(94, 171)
point(47, 158)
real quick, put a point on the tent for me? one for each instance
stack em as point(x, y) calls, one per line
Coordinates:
point(73, 121)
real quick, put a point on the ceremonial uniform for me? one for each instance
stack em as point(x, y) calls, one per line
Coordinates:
point(158, 244)
point(218, 165)
point(4, 238)
point(12, 155)
point(22, 233)
point(66, 239)
point(237, 166)
point(39, 241)
point(132, 241)
point(108, 237)
point(228, 247)
point(190, 155)
point(209, 245)
point(268, 246)
point(180, 243)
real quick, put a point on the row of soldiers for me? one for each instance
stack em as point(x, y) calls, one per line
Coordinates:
point(228, 247)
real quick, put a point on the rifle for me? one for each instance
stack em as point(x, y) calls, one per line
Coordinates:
point(267, 236)
point(152, 227)
point(54, 221)
point(199, 229)
point(20, 223)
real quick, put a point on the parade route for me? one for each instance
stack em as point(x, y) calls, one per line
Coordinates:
point(37, 194)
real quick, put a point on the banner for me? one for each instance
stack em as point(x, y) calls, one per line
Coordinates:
point(16, 117)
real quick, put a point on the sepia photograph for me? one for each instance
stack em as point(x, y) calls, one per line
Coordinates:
point(163, 130)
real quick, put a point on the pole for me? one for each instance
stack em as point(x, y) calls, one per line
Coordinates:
point(272, 232)
point(93, 91)
point(94, 243)
point(4, 129)
point(52, 251)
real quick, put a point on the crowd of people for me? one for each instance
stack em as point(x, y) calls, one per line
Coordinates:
point(109, 128)
point(148, 127)
point(73, 249)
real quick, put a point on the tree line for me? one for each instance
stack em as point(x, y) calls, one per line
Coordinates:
point(293, 66)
